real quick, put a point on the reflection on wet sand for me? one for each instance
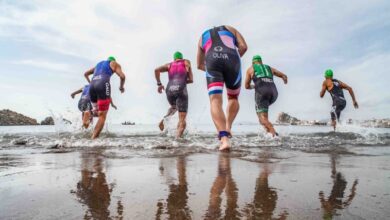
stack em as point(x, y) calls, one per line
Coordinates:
point(265, 198)
point(93, 189)
point(175, 206)
point(335, 200)
point(223, 181)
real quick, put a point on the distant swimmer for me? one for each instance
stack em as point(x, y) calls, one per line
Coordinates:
point(179, 74)
point(265, 89)
point(100, 89)
point(219, 52)
point(335, 88)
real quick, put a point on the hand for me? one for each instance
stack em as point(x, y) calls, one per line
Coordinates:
point(190, 81)
point(285, 79)
point(160, 89)
point(355, 104)
point(72, 95)
point(122, 89)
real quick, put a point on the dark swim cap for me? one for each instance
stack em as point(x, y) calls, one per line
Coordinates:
point(256, 58)
point(111, 58)
point(177, 55)
point(328, 73)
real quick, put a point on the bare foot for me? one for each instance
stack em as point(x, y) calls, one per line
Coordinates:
point(274, 133)
point(225, 144)
point(161, 125)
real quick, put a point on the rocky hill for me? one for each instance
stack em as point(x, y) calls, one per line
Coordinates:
point(48, 121)
point(8, 117)
point(286, 119)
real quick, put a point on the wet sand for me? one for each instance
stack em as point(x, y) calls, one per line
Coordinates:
point(104, 183)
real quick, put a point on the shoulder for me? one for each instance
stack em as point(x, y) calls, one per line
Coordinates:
point(230, 28)
point(250, 70)
point(205, 33)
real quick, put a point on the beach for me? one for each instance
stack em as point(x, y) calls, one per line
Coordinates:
point(62, 180)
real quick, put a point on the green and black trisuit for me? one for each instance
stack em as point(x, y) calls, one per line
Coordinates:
point(265, 89)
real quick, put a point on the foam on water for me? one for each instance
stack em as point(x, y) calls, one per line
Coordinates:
point(198, 138)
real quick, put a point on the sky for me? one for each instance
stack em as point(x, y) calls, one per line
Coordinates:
point(46, 46)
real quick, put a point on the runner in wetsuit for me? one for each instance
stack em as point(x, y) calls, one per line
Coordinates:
point(219, 52)
point(265, 89)
point(84, 105)
point(335, 88)
point(100, 89)
point(179, 74)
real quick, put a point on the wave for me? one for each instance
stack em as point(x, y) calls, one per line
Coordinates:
point(149, 141)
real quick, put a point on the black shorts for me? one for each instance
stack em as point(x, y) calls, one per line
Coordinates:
point(220, 71)
point(178, 98)
point(264, 97)
point(100, 93)
point(337, 107)
point(85, 105)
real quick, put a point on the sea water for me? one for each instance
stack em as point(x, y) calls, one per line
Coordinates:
point(198, 138)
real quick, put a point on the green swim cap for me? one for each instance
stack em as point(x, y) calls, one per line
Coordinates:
point(256, 58)
point(177, 55)
point(328, 73)
point(111, 58)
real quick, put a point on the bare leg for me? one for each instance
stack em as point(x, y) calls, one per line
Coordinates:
point(171, 111)
point(219, 118)
point(100, 124)
point(181, 126)
point(334, 124)
point(86, 119)
point(231, 112)
point(263, 119)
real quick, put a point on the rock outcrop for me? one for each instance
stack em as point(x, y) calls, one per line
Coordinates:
point(48, 121)
point(8, 117)
point(284, 118)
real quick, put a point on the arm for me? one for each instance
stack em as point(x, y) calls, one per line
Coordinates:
point(89, 72)
point(323, 89)
point(116, 67)
point(113, 105)
point(200, 57)
point(76, 92)
point(157, 72)
point(279, 74)
point(350, 90)
point(241, 44)
point(189, 72)
point(248, 78)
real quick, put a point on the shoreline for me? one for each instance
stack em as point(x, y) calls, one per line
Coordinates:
point(118, 183)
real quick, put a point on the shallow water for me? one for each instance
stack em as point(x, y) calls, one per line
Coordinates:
point(148, 140)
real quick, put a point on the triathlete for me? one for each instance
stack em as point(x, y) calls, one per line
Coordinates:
point(265, 89)
point(335, 88)
point(219, 52)
point(179, 74)
point(100, 89)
